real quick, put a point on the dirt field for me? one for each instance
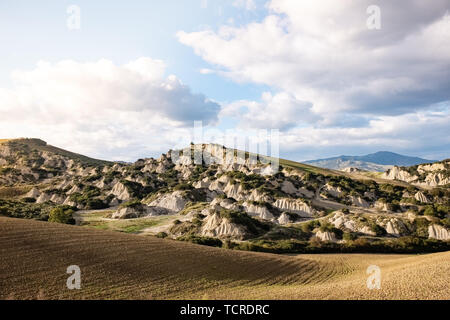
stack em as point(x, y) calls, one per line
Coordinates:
point(34, 257)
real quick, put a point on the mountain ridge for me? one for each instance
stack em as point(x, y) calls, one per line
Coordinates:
point(378, 161)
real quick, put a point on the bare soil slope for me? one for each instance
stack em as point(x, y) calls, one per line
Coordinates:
point(34, 257)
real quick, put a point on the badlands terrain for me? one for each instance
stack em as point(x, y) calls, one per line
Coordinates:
point(135, 228)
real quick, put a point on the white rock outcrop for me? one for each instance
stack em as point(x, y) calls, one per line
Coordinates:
point(420, 196)
point(340, 220)
point(121, 192)
point(235, 191)
point(138, 211)
point(215, 226)
point(326, 236)
point(284, 219)
point(359, 202)
point(395, 227)
point(258, 211)
point(174, 201)
point(33, 193)
point(436, 231)
point(295, 206)
point(44, 197)
point(396, 173)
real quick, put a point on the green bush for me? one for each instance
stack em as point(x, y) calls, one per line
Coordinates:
point(349, 236)
point(360, 245)
point(379, 231)
point(310, 226)
point(25, 210)
point(206, 241)
point(446, 222)
point(161, 235)
point(420, 226)
point(183, 186)
point(89, 198)
point(429, 211)
point(131, 204)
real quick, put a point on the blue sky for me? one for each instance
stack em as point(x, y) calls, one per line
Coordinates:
point(317, 73)
point(120, 31)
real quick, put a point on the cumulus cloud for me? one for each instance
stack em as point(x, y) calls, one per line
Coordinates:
point(281, 111)
point(101, 108)
point(324, 53)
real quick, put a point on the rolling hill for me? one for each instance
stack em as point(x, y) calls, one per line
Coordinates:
point(35, 256)
point(30, 144)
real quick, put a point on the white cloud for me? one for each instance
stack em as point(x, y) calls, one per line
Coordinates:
point(281, 111)
point(102, 109)
point(323, 53)
point(422, 133)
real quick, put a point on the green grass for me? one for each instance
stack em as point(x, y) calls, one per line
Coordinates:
point(13, 192)
point(100, 220)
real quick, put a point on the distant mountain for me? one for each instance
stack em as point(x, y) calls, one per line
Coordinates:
point(378, 161)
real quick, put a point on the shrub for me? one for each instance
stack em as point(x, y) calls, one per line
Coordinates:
point(228, 244)
point(421, 227)
point(183, 186)
point(446, 222)
point(206, 241)
point(311, 225)
point(25, 210)
point(161, 235)
point(326, 227)
point(88, 198)
point(379, 231)
point(131, 204)
point(349, 236)
point(429, 211)
point(360, 245)
point(29, 200)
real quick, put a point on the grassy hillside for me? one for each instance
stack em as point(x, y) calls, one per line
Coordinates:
point(40, 145)
point(35, 256)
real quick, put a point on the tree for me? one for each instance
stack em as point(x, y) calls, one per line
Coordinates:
point(61, 215)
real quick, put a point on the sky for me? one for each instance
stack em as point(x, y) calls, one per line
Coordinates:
point(125, 80)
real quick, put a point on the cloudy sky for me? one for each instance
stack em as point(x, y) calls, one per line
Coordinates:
point(125, 80)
